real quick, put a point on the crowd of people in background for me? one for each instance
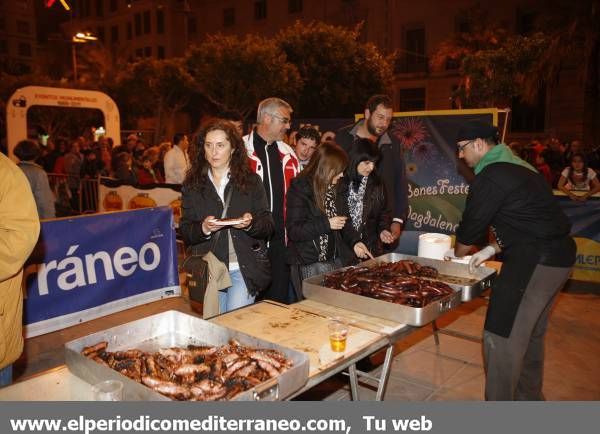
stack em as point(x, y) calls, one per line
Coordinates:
point(566, 166)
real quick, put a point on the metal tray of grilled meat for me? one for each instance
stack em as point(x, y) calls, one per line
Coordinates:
point(454, 274)
point(415, 316)
point(176, 329)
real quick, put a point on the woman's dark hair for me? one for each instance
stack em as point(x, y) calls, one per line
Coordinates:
point(584, 170)
point(328, 161)
point(239, 166)
point(27, 150)
point(361, 150)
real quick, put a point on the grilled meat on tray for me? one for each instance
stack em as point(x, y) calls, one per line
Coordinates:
point(196, 373)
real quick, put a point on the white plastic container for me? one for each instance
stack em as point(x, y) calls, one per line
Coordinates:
point(434, 245)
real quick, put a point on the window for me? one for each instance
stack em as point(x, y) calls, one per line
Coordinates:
point(412, 99)
point(101, 34)
point(415, 50)
point(452, 64)
point(160, 21)
point(114, 5)
point(24, 49)
point(529, 118)
point(161, 52)
point(99, 8)
point(228, 17)
point(192, 25)
point(463, 25)
point(294, 6)
point(138, 24)
point(525, 22)
point(147, 24)
point(23, 27)
point(147, 51)
point(454, 97)
point(3, 46)
point(87, 8)
point(129, 31)
point(260, 9)
point(139, 53)
point(114, 34)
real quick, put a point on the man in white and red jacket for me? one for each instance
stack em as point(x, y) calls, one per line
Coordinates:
point(276, 163)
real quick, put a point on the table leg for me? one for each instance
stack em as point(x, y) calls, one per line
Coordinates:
point(436, 338)
point(385, 373)
point(353, 382)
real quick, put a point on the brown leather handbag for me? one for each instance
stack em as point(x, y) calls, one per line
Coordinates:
point(195, 266)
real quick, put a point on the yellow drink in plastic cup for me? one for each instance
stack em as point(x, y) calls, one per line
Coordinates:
point(338, 334)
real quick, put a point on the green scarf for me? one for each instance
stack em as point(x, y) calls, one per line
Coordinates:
point(501, 154)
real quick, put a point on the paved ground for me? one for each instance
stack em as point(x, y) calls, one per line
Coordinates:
point(454, 369)
point(421, 370)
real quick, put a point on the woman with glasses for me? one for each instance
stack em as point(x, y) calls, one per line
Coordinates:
point(363, 193)
point(314, 223)
point(220, 177)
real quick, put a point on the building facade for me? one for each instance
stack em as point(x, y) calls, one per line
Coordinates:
point(414, 30)
point(133, 29)
point(18, 40)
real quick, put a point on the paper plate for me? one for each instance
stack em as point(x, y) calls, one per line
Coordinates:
point(227, 222)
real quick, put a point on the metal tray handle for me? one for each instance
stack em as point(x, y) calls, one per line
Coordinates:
point(267, 391)
point(446, 305)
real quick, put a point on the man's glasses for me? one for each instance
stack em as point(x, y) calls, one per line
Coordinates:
point(462, 147)
point(283, 120)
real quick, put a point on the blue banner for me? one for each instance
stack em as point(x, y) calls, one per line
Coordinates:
point(586, 231)
point(89, 266)
point(584, 216)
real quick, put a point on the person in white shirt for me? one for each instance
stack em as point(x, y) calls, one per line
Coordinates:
point(578, 177)
point(176, 160)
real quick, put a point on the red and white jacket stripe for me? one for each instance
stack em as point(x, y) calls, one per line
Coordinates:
point(289, 162)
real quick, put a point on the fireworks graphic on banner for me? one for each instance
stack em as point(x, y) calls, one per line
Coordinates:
point(410, 132)
point(422, 150)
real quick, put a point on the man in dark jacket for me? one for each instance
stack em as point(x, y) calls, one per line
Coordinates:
point(391, 168)
point(276, 163)
point(532, 232)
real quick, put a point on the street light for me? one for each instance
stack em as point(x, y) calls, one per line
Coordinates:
point(79, 38)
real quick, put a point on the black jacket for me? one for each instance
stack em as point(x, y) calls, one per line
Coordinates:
point(529, 225)
point(376, 216)
point(198, 203)
point(390, 168)
point(305, 223)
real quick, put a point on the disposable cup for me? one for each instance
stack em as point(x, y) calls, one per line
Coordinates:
point(338, 334)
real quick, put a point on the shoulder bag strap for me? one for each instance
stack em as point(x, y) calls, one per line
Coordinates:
point(223, 214)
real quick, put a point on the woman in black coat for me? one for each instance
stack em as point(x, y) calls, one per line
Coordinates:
point(219, 168)
point(314, 223)
point(363, 193)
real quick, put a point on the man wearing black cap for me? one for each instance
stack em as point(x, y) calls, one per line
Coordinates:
point(530, 229)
